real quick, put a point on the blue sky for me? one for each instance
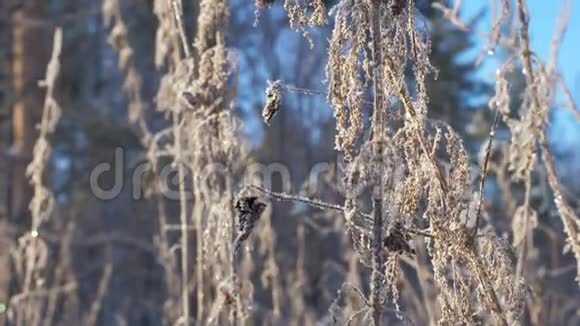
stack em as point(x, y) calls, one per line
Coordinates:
point(565, 131)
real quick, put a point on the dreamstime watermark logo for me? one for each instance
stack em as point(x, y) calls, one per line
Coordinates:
point(119, 173)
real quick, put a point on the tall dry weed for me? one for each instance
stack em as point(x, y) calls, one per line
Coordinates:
point(416, 240)
point(413, 169)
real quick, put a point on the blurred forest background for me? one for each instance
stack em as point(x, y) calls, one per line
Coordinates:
point(116, 262)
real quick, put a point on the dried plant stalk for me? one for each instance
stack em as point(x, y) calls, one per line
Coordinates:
point(31, 254)
point(101, 291)
point(539, 106)
point(119, 40)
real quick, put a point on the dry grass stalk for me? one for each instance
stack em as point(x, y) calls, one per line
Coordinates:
point(452, 209)
point(183, 205)
point(119, 40)
point(167, 38)
point(31, 255)
point(42, 203)
point(539, 106)
point(104, 282)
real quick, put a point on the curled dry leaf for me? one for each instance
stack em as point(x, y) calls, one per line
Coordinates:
point(273, 100)
point(249, 210)
point(398, 240)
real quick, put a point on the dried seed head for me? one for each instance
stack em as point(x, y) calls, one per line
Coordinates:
point(273, 100)
point(249, 210)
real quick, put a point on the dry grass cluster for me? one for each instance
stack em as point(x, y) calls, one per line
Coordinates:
point(420, 168)
point(415, 239)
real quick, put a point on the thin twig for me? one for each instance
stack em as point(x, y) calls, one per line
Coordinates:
point(356, 314)
point(99, 297)
point(177, 133)
point(65, 288)
point(453, 18)
point(305, 91)
point(358, 292)
point(177, 11)
point(379, 117)
point(322, 205)
point(285, 197)
point(485, 169)
point(377, 276)
point(571, 104)
point(309, 91)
